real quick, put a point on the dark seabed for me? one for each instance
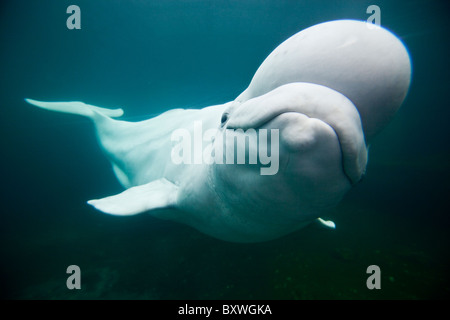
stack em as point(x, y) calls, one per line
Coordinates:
point(152, 56)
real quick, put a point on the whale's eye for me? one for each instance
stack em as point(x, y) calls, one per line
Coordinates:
point(224, 119)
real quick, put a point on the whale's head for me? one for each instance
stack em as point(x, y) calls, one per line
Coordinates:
point(295, 141)
point(368, 65)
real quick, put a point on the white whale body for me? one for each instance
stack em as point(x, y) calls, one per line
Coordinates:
point(328, 90)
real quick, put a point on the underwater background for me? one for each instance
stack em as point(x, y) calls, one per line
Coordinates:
point(151, 56)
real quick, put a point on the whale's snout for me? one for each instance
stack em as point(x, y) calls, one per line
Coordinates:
point(312, 101)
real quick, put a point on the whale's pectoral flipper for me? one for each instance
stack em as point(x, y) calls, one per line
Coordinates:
point(327, 223)
point(158, 194)
point(76, 107)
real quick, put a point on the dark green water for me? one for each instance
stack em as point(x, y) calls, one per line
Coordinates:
point(152, 56)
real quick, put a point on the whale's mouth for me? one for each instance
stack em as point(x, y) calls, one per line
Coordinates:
point(313, 101)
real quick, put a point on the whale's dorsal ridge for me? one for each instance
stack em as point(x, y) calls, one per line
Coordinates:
point(158, 194)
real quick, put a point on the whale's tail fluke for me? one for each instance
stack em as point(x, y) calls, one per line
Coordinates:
point(110, 132)
point(76, 107)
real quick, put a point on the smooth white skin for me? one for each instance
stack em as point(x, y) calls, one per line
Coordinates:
point(370, 66)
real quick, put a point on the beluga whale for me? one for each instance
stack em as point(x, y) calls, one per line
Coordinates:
point(276, 158)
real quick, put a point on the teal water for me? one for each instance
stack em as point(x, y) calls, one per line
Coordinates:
point(152, 56)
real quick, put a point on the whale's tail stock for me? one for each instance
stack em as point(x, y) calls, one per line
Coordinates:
point(157, 194)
